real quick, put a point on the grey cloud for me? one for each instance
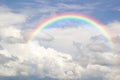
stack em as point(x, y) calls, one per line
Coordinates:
point(99, 43)
point(95, 72)
point(98, 38)
point(45, 37)
point(116, 44)
point(25, 78)
point(12, 40)
point(5, 59)
point(77, 44)
point(99, 47)
point(1, 48)
point(41, 36)
point(117, 39)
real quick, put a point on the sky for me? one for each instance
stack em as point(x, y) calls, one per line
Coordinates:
point(64, 50)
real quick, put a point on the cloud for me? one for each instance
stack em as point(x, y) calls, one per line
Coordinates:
point(99, 47)
point(10, 18)
point(114, 75)
point(10, 24)
point(41, 62)
point(114, 28)
point(82, 34)
point(115, 34)
point(93, 72)
point(4, 59)
point(41, 36)
point(10, 32)
point(47, 8)
point(1, 47)
point(29, 59)
point(13, 40)
point(116, 8)
point(77, 7)
point(72, 53)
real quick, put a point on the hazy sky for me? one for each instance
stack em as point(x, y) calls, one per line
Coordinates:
point(65, 50)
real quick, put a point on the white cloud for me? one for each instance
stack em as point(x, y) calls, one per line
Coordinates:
point(46, 8)
point(76, 7)
point(33, 59)
point(42, 36)
point(6, 58)
point(114, 74)
point(114, 28)
point(115, 33)
point(7, 71)
point(10, 32)
point(40, 61)
point(64, 39)
point(96, 70)
point(10, 22)
point(9, 18)
point(65, 55)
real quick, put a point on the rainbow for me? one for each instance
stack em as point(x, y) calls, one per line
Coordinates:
point(43, 24)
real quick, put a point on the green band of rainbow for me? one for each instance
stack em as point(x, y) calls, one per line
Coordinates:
point(77, 16)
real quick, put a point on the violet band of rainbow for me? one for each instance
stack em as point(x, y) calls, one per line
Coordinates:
point(43, 24)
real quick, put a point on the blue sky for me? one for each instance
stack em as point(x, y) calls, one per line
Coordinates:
point(104, 11)
point(68, 50)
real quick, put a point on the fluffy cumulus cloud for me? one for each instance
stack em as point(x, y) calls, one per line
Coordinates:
point(72, 53)
point(32, 59)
